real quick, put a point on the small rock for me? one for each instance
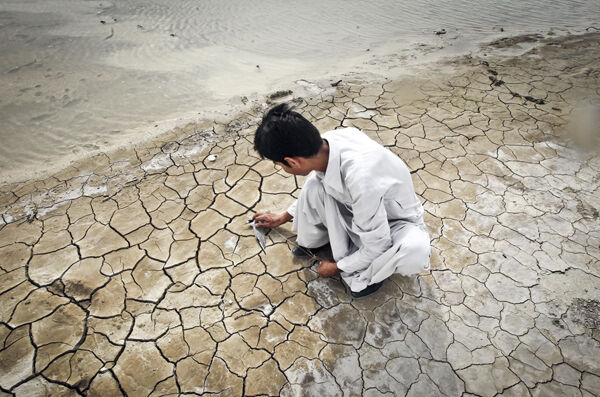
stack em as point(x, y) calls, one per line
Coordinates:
point(280, 94)
point(535, 100)
point(440, 32)
point(267, 310)
point(212, 158)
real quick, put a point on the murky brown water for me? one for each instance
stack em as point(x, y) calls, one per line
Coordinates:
point(79, 76)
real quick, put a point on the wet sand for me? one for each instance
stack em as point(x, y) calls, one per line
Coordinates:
point(134, 272)
point(85, 77)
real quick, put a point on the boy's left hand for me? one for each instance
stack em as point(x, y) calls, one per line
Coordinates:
point(327, 269)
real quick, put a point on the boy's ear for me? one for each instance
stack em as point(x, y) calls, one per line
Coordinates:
point(293, 162)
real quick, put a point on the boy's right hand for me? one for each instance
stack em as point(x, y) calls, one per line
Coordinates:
point(267, 219)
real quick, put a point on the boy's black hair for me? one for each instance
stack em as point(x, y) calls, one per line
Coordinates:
point(285, 133)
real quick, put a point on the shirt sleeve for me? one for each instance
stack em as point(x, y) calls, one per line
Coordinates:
point(370, 223)
point(292, 209)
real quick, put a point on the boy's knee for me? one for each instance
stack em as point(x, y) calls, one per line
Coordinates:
point(418, 249)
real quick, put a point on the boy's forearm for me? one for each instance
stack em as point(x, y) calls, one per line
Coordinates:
point(286, 217)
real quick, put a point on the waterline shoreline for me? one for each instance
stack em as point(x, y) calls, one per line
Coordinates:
point(105, 172)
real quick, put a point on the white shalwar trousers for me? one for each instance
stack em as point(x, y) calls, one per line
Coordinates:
point(320, 219)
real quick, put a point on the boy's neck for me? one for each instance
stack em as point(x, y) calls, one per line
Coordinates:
point(322, 157)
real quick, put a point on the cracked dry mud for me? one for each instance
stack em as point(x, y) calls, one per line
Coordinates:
point(135, 273)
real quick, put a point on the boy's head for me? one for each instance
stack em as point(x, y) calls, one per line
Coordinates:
point(285, 133)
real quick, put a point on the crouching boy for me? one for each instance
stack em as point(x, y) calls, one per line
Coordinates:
point(358, 197)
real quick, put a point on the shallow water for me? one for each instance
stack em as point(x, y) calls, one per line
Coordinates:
point(79, 76)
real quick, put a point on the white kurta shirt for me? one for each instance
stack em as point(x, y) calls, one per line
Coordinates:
point(376, 188)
